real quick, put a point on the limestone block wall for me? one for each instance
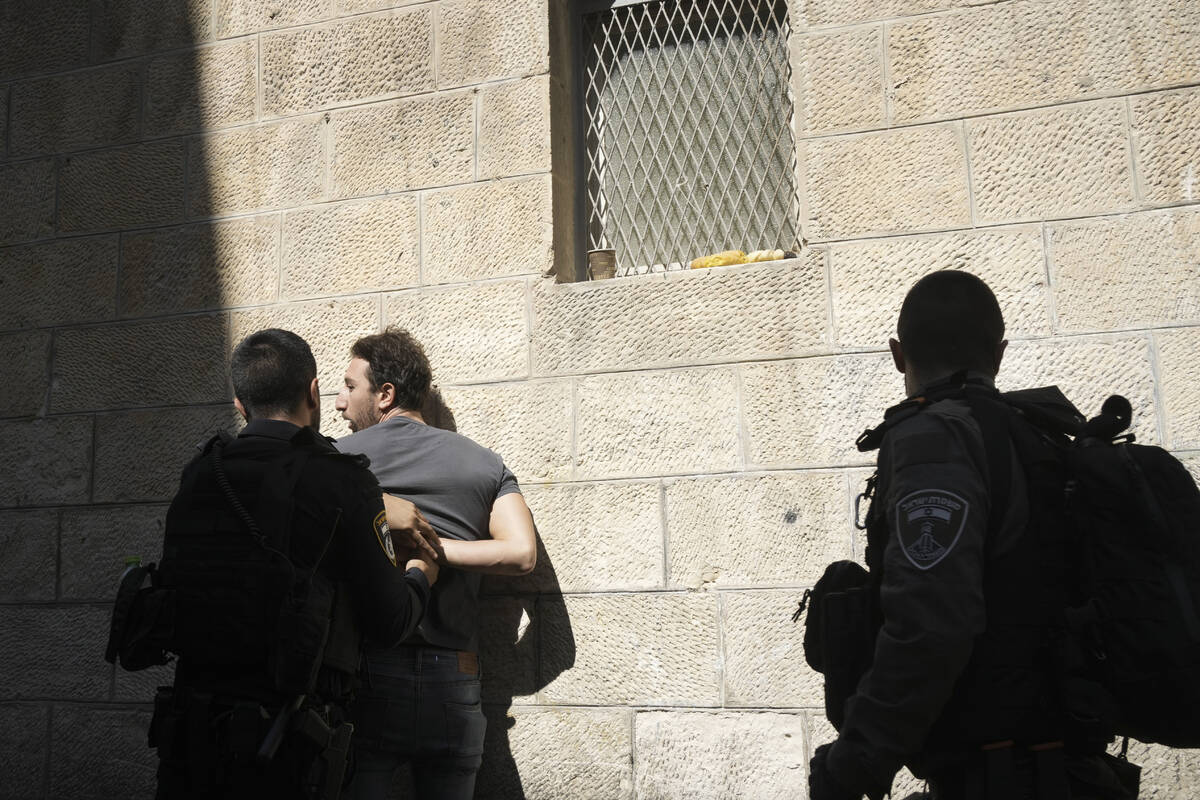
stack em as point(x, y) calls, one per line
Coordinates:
point(175, 174)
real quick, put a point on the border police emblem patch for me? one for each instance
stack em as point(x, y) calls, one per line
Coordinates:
point(928, 524)
point(384, 534)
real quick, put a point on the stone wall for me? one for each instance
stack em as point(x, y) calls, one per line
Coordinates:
point(175, 174)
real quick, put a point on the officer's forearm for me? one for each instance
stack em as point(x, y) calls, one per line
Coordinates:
point(494, 556)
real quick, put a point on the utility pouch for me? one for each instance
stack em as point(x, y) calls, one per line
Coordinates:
point(164, 725)
point(301, 633)
point(839, 632)
point(143, 621)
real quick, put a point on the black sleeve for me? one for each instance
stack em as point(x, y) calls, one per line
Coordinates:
point(390, 602)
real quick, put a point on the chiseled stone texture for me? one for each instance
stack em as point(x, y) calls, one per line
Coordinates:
point(350, 247)
point(514, 128)
point(59, 282)
point(816, 13)
point(25, 731)
point(1060, 162)
point(71, 112)
point(1088, 370)
point(681, 318)
point(29, 552)
point(840, 80)
point(547, 754)
point(529, 424)
point(46, 461)
point(810, 412)
point(599, 536)
point(25, 357)
point(27, 197)
point(657, 423)
point(487, 230)
point(124, 187)
point(36, 36)
point(1167, 774)
point(1130, 272)
point(195, 267)
point(1038, 52)
point(101, 753)
point(238, 17)
point(135, 364)
point(425, 141)
point(205, 88)
point(871, 278)
point(266, 166)
point(641, 649)
point(1166, 132)
point(356, 59)
point(758, 530)
point(764, 651)
point(508, 649)
point(480, 40)
point(1179, 386)
point(711, 756)
point(330, 327)
point(140, 454)
point(345, 7)
point(130, 27)
point(50, 652)
point(470, 333)
point(3, 123)
point(96, 541)
point(904, 180)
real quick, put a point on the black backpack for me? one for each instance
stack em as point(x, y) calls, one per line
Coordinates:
point(1130, 516)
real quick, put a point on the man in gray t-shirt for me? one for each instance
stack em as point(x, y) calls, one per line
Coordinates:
point(420, 700)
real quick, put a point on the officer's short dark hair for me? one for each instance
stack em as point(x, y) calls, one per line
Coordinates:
point(950, 320)
point(395, 357)
point(272, 370)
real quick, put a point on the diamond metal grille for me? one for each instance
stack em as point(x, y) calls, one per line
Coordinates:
point(687, 119)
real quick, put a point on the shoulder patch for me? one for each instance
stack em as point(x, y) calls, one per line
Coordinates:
point(384, 534)
point(928, 524)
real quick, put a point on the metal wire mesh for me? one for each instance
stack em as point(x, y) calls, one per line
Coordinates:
point(687, 118)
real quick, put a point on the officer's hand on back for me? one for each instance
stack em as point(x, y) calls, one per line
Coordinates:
point(821, 784)
point(410, 530)
point(428, 566)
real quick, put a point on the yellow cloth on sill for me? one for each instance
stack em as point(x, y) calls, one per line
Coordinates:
point(721, 259)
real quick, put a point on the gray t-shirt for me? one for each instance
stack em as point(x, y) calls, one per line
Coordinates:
point(454, 482)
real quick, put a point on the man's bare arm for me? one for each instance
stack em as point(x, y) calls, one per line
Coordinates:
point(512, 550)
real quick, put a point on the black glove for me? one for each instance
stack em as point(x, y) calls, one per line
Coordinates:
point(821, 783)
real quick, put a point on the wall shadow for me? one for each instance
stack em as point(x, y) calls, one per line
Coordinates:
point(530, 643)
point(116, 298)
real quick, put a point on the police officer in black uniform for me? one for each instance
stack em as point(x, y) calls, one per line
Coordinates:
point(277, 559)
point(959, 687)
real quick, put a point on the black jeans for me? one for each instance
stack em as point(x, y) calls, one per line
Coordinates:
point(420, 706)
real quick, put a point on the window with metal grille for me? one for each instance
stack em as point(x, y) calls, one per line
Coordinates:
point(686, 123)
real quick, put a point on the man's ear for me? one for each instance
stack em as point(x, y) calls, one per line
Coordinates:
point(387, 396)
point(898, 354)
point(241, 409)
point(314, 394)
point(1000, 348)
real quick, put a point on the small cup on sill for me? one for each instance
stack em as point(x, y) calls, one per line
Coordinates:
point(602, 264)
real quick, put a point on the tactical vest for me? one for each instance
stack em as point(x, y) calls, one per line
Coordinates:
point(248, 621)
point(1011, 687)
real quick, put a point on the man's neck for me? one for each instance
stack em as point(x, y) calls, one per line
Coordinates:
point(393, 413)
